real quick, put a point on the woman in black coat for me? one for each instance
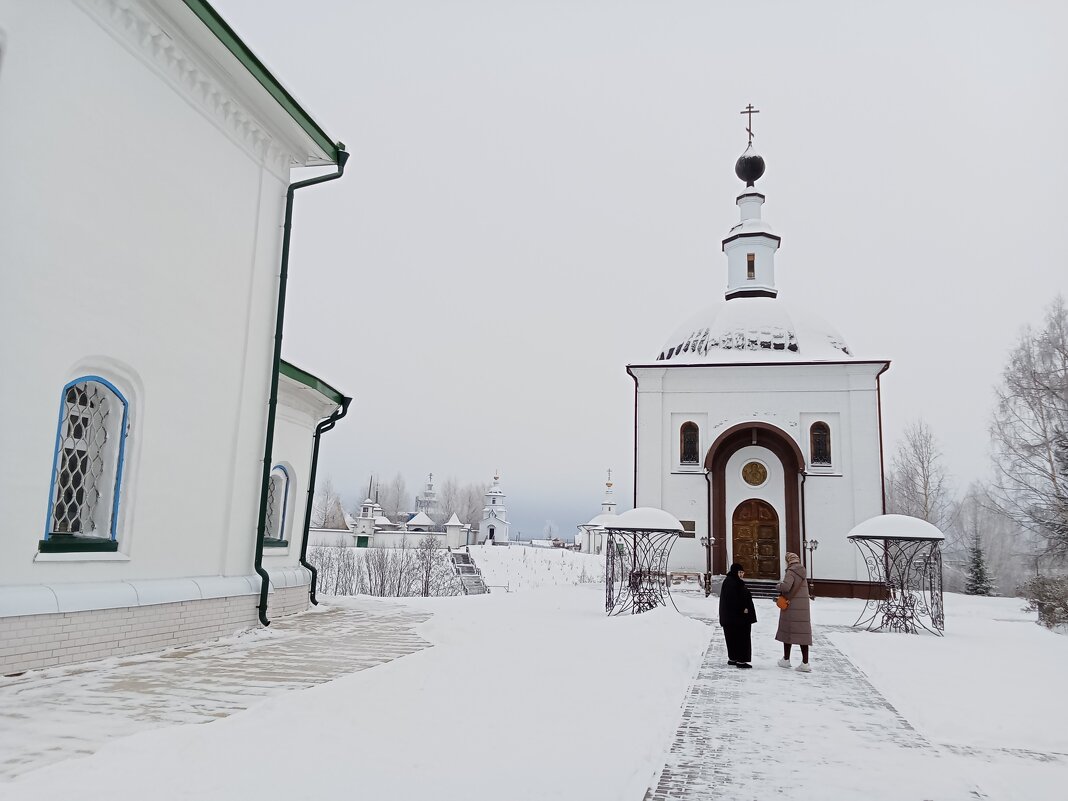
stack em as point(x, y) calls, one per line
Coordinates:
point(737, 616)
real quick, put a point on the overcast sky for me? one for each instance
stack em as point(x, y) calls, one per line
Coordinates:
point(538, 190)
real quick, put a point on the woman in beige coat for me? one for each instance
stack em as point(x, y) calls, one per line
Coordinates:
point(795, 622)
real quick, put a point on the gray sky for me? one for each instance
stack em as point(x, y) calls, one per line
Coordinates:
point(538, 190)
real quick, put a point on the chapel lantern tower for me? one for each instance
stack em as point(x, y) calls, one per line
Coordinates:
point(750, 245)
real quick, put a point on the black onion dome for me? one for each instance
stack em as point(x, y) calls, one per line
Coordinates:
point(749, 166)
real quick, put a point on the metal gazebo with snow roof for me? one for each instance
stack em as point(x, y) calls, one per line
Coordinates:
point(636, 558)
point(904, 555)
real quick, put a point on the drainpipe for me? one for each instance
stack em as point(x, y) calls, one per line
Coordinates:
point(708, 550)
point(272, 403)
point(804, 531)
point(324, 425)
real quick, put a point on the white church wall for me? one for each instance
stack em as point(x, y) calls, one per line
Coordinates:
point(789, 397)
point(159, 236)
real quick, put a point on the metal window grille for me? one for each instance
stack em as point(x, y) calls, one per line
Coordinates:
point(820, 443)
point(275, 500)
point(81, 461)
point(689, 454)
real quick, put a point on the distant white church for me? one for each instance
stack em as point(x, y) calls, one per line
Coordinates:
point(758, 427)
point(494, 528)
point(592, 535)
point(156, 454)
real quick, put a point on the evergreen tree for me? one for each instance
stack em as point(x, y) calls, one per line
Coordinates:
point(979, 581)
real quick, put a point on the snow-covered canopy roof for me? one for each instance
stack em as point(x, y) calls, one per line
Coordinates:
point(646, 518)
point(383, 521)
point(454, 520)
point(754, 330)
point(896, 527)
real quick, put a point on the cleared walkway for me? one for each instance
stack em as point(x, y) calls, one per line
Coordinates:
point(51, 715)
point(770, 732)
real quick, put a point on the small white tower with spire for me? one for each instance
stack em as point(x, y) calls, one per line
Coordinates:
point(494, 528)
point(591, 535)
point(427, 503)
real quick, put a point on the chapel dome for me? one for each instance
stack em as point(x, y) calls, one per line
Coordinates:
point(759, 329)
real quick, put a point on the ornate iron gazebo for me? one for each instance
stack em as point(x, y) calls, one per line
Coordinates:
point(904, 559)
point(636, 561)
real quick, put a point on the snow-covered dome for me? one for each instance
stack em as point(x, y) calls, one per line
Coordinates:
point(754, 330)
point(646, 518)
point(893, 527)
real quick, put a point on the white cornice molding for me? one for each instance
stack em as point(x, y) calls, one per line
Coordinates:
point(140, 28)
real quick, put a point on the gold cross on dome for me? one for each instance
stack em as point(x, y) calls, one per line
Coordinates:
point(749, 127)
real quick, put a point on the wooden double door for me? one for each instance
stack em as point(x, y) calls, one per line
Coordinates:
point(755, 540)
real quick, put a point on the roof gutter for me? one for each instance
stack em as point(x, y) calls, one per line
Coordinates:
point(272, 403)
point(324, 425)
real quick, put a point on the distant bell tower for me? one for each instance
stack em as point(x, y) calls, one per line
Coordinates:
point(494, 527)
point(427, 502)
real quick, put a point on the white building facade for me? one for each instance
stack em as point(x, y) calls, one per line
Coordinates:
point(146, 255)
point(592, 535)
point(758, 428)
point(494, 528)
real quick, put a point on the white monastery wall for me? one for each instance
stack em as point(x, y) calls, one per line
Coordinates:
point(175, 252)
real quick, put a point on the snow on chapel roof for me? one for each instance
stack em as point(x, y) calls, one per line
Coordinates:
point(754, 329)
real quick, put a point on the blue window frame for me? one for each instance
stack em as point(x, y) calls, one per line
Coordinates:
point(87, 465)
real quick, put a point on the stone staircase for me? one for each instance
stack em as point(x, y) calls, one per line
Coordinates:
point(763, 589)
point(470, 576)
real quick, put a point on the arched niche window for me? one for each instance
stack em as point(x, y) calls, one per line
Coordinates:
point(819, 442)
point(83, 503)
point(277, 503)
point(689, 447)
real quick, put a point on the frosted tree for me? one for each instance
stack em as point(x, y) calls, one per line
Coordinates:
point(979, 581)
point(327, 511)
point(1029, 433)
point(394, 497)
point(918, 485)
point(1005, 547)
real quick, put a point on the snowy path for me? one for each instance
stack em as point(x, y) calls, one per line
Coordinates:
point(776, 733)
point(49, 716)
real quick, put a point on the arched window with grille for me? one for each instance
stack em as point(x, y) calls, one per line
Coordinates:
point(819, 441)
point(83, 504)
point(277, 506)
point(689, 443)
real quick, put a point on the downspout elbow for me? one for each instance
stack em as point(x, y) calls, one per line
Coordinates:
point(320, 429)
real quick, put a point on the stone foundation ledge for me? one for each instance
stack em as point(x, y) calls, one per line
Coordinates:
point(133, 617)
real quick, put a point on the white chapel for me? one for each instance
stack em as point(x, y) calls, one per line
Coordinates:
point(758, 427)
point(494, 527)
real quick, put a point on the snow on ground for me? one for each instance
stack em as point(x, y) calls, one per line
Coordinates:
point(523, 696)
point(520, 567)
point(868, 722)
point(537, 695)
point(995, 680)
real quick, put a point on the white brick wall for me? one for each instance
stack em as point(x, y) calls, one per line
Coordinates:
point(30, 642)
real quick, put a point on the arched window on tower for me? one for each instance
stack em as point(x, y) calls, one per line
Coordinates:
point(689, 443)
point(819, 442)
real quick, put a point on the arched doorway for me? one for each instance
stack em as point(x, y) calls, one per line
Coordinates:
point(786, 450)
point(755, 539)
